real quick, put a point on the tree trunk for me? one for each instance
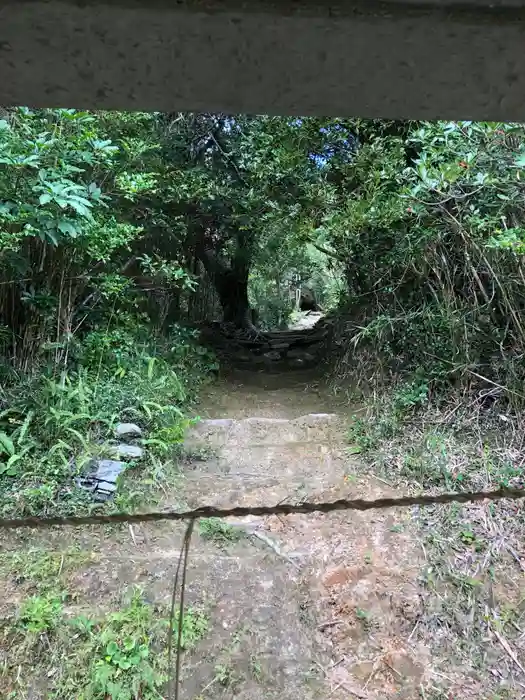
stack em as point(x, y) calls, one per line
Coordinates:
point(231, 284)
point(233, 295)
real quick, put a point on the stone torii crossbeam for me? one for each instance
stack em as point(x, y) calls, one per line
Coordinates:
point(394, 59)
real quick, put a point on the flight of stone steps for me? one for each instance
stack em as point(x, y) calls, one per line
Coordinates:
point(262, 461)
point(285, 349)
point(281, 598)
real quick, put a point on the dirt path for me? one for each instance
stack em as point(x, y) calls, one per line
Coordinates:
point(296, 607)
point(330, 602)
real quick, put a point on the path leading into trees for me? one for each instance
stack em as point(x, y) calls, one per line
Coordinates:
point(324, 606)
point(298, 607)
point(302, 346)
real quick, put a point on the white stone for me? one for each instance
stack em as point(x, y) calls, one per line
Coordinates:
point(127, 451)
point(123, 429)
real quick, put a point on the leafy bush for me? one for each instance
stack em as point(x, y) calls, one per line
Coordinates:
point(51, 426)
point(431, 233)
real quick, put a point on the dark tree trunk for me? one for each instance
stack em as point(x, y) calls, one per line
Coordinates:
point(233, 295)
point(231, 284)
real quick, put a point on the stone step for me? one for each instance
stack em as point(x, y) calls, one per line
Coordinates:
point(222, 573)
point(314, 427)
point(264, 474)
point(285, 461)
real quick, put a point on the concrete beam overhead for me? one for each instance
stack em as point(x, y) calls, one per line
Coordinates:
point(395, 59)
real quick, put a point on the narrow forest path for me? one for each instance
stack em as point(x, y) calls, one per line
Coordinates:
point(294, 607)
point(325, 605)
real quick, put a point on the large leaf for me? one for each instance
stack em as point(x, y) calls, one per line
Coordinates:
point(45, 198)
point(6, 444)
point(69, 228)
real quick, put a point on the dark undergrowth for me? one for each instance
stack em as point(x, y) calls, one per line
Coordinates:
point(53, 423)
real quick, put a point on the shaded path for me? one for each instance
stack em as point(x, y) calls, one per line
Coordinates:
point(298, 607)
point(339, 593)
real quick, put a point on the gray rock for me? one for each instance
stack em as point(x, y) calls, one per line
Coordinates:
point(106, 486)
point(276, 345)
point(297, 362)
point(107, 470)
point(104, 491)
point(102, 479)
point(131, 429)
point(273, 355)
point(126, 451)
point(298, 354)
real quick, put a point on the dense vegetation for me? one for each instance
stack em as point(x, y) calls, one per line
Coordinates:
point(120, 231)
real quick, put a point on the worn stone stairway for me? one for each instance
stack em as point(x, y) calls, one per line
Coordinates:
point(256, 461)
point(297, 348)
point(303, 607)
point(319, 587)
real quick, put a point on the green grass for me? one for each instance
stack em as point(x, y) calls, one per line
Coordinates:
point(69, 646)
point(40, 614)
point(118, 655)
point(220, 532)
point(44, 570)
point(471, 573)
point(54, 423)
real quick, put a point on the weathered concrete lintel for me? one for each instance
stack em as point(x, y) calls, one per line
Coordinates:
point(306, 8)
point(386, 59)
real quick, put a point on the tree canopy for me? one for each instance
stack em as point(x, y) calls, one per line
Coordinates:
point(414, 228)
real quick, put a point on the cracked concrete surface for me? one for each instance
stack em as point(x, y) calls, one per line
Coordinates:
point(391, 59)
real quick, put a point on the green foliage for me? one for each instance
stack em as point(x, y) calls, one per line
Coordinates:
point(46, 571)
point(124, 663)
point(40, 614)
point(411, 395)
point(411, 231)
point(219, 531)
point(195, 624)
point(53, 425)
point(121, 655)
point(431, 233)
point(122, 667)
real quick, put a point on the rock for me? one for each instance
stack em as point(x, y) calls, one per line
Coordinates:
point(276, 345)
point(298, 354)
point(102, 490)
point(297, 363)
point(127, 429)
point(127, 451)
point(108, 470)
point(273, 355)
point(102, 479)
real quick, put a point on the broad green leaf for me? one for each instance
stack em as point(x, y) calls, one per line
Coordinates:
point(68, 227)
point(6, 444)
point(45, 198)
